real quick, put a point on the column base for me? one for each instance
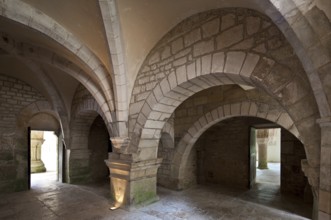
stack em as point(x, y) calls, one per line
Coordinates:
point(37, 166)
point(132, 184)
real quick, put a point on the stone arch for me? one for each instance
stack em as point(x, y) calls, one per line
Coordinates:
point(34, 53)
point(33, 109)
point(111, 22)
point(306, 27)
point(84, 112)
point(245, 108)
point(208, 50)
point(94, 69)
point(24, 14)
point(79, 153)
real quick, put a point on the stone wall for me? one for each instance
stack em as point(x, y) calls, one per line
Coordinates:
point(224, 148)
point(191, 110)
point(293, 180)
point(82, 151)
point(15, 95)
point(98, 144)
point(219, 47)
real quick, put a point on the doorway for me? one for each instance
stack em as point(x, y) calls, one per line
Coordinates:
point(268, 155)
point(44, 159)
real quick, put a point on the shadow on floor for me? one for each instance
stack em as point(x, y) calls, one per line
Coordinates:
point(54, 200)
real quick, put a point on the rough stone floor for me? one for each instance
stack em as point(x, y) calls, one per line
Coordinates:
point(52, 200)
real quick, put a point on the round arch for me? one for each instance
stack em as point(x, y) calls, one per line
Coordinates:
point(208, 50)
point(223, 112)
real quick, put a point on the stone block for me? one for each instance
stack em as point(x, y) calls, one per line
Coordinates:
point(191, 71)
point(179, 61)
point(211, 28)
point(147, 133)
point(181, 74)
point(172, 80)
point(206, 64)
point(203, 122)
point(209, 117)
point(228, 21)
point(192, 37)
point(164, 108)
point(214, 114)
point(203, 47)
point(158, 92)
point(177, 45)
point(244, 45)
point(263, 68)
point(278, 78)
point(227, 110)
point(165, 87)
point(245, 108)
point(253, 109)
point(234, 61)
point(285, 121)
point(235, 109)
point(249, 65)
point(218, 62)
point(183, 53)
point(165, 53)
point(151, 101)
point(325, 201)
point(230, 37)
point(294, 91)
point(198, 66)
point(154, 58)
point(253, 25)
point(304, 32)
point(318, 21)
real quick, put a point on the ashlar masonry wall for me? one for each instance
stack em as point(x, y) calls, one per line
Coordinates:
point(15, 95)
point(191, 110)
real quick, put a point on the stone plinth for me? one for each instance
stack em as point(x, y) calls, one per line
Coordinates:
point(37, 139)
point(132, 183)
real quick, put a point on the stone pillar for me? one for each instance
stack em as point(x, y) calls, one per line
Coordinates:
point(37, 139)
point(132, 183)
point(324, 190)
point(262, 139)
point(312, 173)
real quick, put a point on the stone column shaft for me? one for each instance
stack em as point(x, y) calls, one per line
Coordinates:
point(132, 183)
point(262, 139)
point(324, 189)
point(263, 156)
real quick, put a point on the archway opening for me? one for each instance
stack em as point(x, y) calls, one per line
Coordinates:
point(44, 157)
point(268, 155)
point(99, 145)
point(222, 157)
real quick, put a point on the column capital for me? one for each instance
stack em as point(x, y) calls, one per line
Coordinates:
point(120, 144)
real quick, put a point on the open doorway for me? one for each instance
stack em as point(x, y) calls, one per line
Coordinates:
point(268, 155)
point(43, 156)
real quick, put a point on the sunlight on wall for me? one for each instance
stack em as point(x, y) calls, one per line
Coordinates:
point(49, 151)
point(274, 145)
